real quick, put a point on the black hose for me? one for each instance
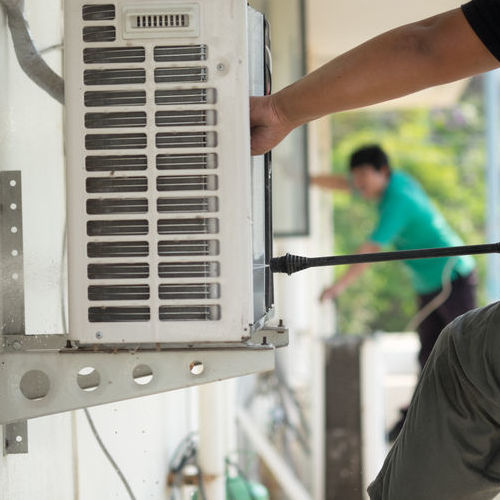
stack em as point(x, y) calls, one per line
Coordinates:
point(292, 263)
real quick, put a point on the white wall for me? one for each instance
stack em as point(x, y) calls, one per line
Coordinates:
point(31, 141)
point(64, 461)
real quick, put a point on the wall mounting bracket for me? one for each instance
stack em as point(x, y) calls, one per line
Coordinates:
point(42, 382)
point(12, 287)
point(49, 373)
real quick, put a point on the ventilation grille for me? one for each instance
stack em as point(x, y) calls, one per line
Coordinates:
point(115, 98)
point(117, 271)
point(188, 226)
point(116, 120)
point(190, 291)
point(118, 314)
point(101, 206)
point(187, 183)
point(178, 75)
point(186, 140)
point(162, 21)
point(114, 55)
point(181, 53)
point(103, 12)
point(117, 227)
point(186, 162)
point(187, 205)
point(116, 163)
point(189, 313)
point(116, 184)
point(184, 118)
point(116, 249)
point(189, 270)
point(142, 205)
point(119, 292)
point(99, 34)
point(115, 141)
point(188, 248)
point(114, 76)
point(186, 96)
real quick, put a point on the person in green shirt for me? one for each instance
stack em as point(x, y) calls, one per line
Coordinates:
point(407, 220)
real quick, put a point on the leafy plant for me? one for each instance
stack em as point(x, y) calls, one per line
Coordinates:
point(444, 150)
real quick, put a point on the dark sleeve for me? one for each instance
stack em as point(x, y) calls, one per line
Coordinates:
point(448, 448)
point(484, 18)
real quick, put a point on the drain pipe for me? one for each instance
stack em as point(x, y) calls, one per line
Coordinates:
point(28, 56)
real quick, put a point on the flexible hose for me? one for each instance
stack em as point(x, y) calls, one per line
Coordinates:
point(28, 56)
point(292, 263)
point(437, 301)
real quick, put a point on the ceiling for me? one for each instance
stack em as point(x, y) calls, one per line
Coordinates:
point(335, 26)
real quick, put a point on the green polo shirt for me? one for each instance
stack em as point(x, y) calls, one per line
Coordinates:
point(408, 220)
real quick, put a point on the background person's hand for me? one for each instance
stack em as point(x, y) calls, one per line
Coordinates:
point(331, 292)
point(267, 127)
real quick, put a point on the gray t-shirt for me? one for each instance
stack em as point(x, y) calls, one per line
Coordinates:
point(449, 447)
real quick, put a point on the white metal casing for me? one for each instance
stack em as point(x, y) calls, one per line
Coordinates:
point(224, 312)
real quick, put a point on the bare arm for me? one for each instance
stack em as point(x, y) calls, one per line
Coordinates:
point(431, 52)
point(330, 181)
point(351, 275)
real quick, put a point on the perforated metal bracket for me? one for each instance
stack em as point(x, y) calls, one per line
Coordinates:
point(11, 254)
point(36, 383)
point(44, 374)
point(16, 438)
point(12, 287)
point(16, 343)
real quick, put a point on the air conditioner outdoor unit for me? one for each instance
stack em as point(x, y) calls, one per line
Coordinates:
point(169, 225)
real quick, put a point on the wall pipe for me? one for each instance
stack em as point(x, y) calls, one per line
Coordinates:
point(28, 56)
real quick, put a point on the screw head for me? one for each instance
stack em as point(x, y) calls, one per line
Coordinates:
point(221, 67)
point(17, 345)
point(196, 367)
point(99, 335)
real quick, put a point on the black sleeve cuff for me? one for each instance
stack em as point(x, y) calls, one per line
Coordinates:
point(484, 18)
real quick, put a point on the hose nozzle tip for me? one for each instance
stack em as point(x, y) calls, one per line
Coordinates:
point(288, 264)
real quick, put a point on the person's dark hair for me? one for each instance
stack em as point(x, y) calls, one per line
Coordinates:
point(372, 155)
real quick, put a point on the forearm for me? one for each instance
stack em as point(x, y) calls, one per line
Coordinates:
point(352, 274)
point(394, 64)
point(356, 270)
point(330, 181)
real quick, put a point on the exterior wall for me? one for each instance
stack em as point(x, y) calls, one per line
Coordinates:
point(64, 461)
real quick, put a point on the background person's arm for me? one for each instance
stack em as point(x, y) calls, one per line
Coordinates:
point(330, 181)
point(430, 52)
point(351, 275)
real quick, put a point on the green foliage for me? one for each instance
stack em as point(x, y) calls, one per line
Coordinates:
point(444, 150)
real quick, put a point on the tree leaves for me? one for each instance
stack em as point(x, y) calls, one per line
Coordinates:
point(444, 150)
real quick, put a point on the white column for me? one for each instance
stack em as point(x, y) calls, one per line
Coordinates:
point(492, 111)
point(212, 424)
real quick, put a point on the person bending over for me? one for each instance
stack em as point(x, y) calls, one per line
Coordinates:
point(408, 220)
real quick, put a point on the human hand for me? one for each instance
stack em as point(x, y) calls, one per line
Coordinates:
point(331, 292)
point(267, 126)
